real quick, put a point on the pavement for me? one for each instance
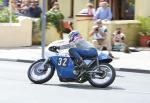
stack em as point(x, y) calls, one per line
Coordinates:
point(130, 62)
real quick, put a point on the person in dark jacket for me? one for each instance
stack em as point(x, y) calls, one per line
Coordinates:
point(34, 10)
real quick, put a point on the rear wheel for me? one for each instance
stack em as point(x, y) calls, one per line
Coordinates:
point(102, 76)
point(39, 73)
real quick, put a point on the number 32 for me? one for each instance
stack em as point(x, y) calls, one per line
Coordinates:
point(62, 61)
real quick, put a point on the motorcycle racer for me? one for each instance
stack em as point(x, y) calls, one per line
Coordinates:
point(79, 48)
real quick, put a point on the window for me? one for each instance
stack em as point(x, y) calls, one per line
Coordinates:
point(123, 9)
point(128, 9)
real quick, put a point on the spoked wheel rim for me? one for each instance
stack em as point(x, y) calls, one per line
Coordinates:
point(102, 74)
point(39, 72)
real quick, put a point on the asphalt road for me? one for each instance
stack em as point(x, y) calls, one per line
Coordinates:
point(16, 88)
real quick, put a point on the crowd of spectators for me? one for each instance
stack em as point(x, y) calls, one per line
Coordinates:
point(99, 31)
point(103, 12)
point(28, 8)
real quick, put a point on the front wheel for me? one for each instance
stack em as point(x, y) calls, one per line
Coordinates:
point(39, 73)
point(102, 76)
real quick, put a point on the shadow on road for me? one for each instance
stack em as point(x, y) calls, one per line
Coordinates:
point(84, 86)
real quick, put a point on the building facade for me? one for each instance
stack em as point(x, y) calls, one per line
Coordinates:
point(121, 9)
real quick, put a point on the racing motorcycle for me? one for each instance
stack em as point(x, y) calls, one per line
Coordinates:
point(99, 73)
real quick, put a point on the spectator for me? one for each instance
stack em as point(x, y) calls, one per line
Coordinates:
point(103, 12)
point(25, 4)
point(16, 7)
point(36, 2)
point(55, 7)
point(34, 10)
point(89, 10)
point(5, 2)
point(99, 33)
point(148, 43)
point(58, 21)
point(24, 8)
point(19, 7)
point(118, 41)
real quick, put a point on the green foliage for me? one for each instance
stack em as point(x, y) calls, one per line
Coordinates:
point(5, 16)
point(1, 1)
point(145, 25)
point(55, 18)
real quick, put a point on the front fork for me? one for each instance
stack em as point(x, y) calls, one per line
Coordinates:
point(43, 67)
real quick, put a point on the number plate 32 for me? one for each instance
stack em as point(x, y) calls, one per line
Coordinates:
point(62, 61)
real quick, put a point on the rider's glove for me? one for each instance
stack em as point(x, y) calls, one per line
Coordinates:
point(54, 48)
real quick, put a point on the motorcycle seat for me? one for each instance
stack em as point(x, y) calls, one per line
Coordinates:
point(93, 57)
point(87, 54)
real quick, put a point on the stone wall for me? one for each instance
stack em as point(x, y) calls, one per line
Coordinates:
point(129, 27)
point(16, 34)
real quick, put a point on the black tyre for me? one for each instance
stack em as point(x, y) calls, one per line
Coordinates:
point(38, 76)
point(102, 76)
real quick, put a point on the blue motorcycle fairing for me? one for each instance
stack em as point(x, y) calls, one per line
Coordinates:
point(64, 66)
point(104, 57)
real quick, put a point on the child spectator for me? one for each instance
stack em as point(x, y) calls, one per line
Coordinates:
point(118, 41)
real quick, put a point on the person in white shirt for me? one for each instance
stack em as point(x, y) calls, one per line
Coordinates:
point(99, 33)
